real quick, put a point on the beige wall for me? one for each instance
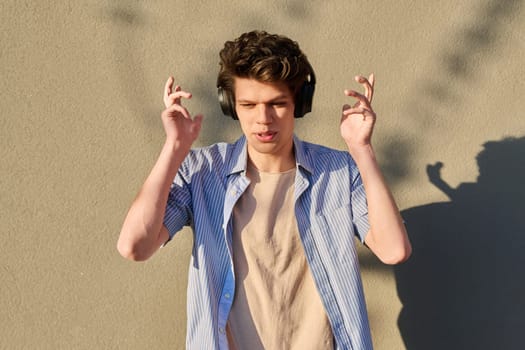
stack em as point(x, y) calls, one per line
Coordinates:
point(81, 85)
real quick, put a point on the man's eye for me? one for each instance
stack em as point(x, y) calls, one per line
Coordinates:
point(279, 104)
point(247, 105)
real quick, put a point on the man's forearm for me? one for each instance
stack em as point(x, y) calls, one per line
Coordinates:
point(142, 231)
point(387, 237)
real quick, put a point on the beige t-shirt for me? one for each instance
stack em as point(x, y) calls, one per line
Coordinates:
point(276, 303)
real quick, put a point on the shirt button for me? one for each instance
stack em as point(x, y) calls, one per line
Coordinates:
point(227, 295)
point(221, 330)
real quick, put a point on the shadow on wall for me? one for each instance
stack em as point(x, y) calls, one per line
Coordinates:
point(459, 60)
point(463, 287)
point(129, 21)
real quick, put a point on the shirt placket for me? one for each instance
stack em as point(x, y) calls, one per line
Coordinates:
point(234, 191)
point(317, 268)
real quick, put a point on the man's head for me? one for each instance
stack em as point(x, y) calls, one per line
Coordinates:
point(267, 58)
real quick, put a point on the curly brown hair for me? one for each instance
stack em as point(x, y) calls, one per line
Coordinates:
point(264, 57)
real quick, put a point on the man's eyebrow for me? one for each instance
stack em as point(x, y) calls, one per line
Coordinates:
point(274, 99)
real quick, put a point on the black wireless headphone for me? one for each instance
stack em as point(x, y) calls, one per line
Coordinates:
point(303, 99)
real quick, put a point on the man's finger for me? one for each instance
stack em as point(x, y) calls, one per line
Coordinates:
point(168, 86)
point(368, 84)
point(371, 80)
point(174, 109)
point(358, 110)
point(362, 98)
point(175, 97)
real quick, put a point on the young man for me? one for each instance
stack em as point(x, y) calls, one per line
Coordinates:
point(274, 264)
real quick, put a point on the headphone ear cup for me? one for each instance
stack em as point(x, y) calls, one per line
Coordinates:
point(227, 103)
point(303, 100)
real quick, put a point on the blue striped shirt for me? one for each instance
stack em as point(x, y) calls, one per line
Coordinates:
point(330, 207)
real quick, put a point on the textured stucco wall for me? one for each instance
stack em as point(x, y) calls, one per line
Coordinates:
point(81, 84)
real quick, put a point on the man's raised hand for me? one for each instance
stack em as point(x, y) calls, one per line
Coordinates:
point(357, 121)
point(181, 129)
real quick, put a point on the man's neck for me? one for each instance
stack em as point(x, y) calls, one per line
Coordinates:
point(271, 163)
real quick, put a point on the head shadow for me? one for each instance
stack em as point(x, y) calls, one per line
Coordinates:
point(463, 286)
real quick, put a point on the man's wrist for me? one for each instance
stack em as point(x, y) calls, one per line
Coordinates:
point(362, 153)
point(175, 152)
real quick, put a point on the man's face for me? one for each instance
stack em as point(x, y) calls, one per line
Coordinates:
point(266, 114)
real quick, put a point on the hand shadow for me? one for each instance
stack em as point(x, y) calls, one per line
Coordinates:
point(463, 287)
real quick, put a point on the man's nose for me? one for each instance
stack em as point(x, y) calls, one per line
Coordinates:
point(264, 114)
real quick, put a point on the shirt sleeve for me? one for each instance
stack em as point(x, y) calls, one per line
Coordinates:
point(359, 208)
point(178, 209)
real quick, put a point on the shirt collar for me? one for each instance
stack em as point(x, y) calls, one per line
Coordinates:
point(239, 156)
point(301, 155)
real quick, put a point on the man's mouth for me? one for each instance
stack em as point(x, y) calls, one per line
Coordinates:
point(266, 136)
